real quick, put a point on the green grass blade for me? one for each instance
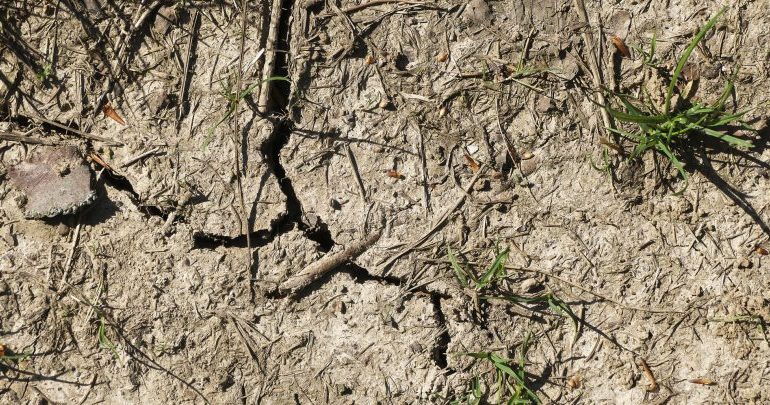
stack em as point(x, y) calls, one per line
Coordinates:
point(497, 269)
point(460, 273)
point(727, 119)
point(686, 55)
point(104, 341)
point(562, 308)
point(653, 45)
point(732, 140)
point(720, 103)
point(677, 164)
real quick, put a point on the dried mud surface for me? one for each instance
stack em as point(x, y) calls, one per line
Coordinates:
point(442, 124)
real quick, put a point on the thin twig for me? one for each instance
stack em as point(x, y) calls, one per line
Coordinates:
point(82, 134)
point(71, 254)
point(593, 61)
point(184, 101)
point(359, 7)
point(356, 174)
point(245, 225)
point(139, 157)
point(12, 137)
point(424, 170)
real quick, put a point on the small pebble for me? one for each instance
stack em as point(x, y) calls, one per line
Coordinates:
point(63, 230)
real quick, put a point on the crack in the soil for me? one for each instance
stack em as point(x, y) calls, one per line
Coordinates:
point(442, 341)
point(271, 150)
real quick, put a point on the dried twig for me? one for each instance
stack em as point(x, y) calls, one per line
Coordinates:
point(82, 134)
point(594, 65)
point(359, 7)
point(71, 255)
point(184, 102)
point(327, 263)
point(141, 156)
point(245, 225)
point(12, 137)
point(424, 169)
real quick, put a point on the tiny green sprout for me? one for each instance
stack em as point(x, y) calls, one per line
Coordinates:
point(754, 319)
point(232, 101)
point(44, 74)
point(489, 278)
point(104, 341)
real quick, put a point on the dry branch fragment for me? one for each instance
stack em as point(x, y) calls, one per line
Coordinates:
point(315, 270)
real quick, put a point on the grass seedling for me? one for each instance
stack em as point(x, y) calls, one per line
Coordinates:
point(555, 303)
point(748, 319)
point(45, 74)
point(488, 281)
point(509, 377)
point(659, 130)
point(233, 99)
point(489, 278)
point(473, 395)
point(104, 341)
point(648, 57)
point(8, 357)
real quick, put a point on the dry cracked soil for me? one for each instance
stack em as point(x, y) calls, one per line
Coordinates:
point(385, 201)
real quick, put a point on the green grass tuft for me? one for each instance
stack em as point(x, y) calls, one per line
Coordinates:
point(658, 130)
point(510, 379)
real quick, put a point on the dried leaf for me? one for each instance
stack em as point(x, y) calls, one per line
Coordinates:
point(621, 46)
point(761, 251)
point(472, 163)
point(2, 350)
point(110, 112)
point(574, 382)
point(652, 385)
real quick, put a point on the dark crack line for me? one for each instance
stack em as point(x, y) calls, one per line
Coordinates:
point(439, 352)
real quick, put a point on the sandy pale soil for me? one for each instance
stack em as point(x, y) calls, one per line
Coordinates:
point(379, 202)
